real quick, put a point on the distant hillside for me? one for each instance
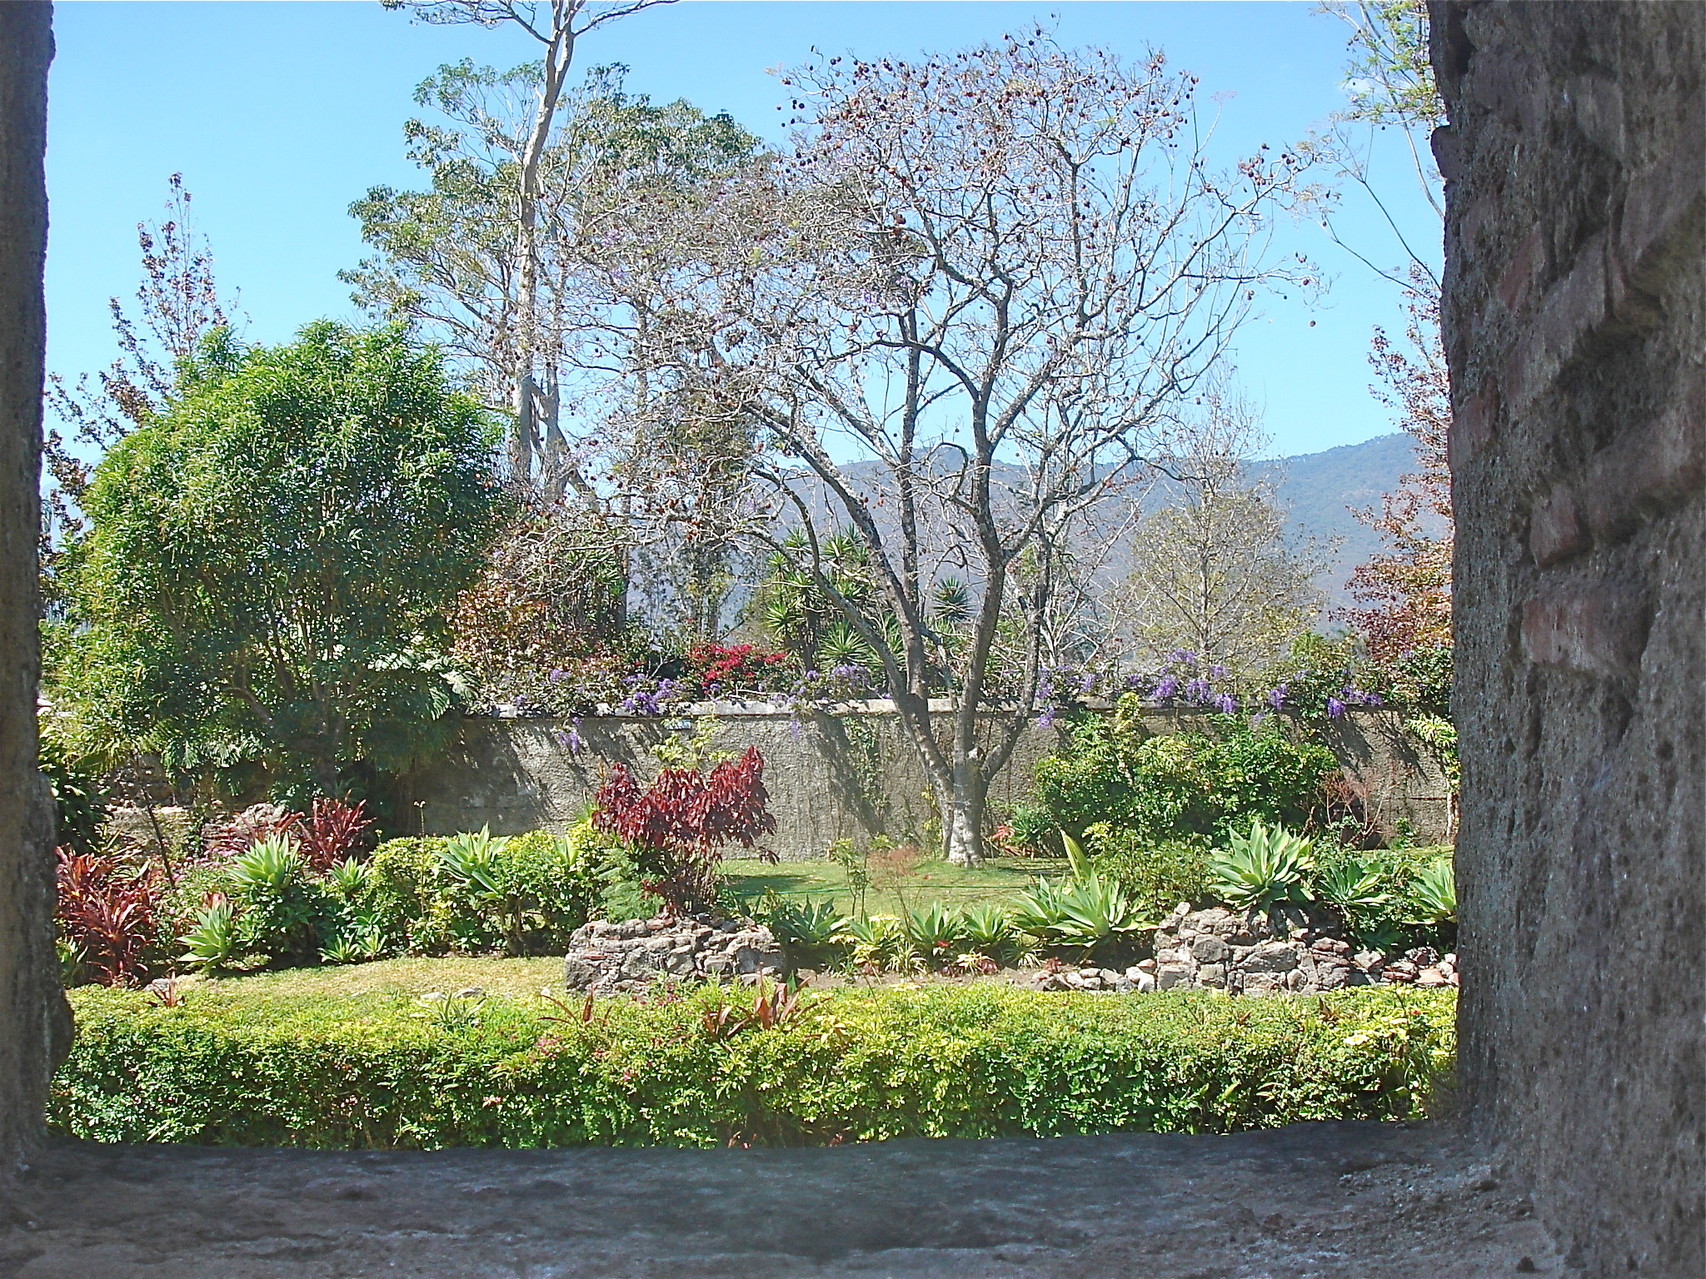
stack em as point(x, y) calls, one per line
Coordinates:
point(1320, 489)
point(1317, 490)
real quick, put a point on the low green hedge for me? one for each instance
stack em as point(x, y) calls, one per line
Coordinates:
point(858, 1065)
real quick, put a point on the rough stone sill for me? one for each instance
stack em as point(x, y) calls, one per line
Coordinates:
point(1313, 1201)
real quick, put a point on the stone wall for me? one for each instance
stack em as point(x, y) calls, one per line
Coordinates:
point(1573, 322)
point(852, 774)
point(33, 1017)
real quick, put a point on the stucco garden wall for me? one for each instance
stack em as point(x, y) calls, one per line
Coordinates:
point(851, 774)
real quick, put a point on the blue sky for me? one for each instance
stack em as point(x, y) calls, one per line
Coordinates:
point(280, 114)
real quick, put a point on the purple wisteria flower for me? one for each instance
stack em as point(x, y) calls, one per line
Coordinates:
point(1226, 704)
point(1166, 688)
point(1335, 708)
point(1276, 696)
point(1217, 672)
point(1198, 690)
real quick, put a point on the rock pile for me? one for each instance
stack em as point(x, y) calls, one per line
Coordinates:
point(606, 957)
point(1255, 953)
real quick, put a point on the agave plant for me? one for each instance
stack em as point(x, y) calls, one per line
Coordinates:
point(986, 925)
point(362, 939)
point(213, 940)
point(472, 861)
point(1095, 913)
point(1260, 870)
point(1039, 909)
point(932, 930)
point(349, 877)
point(1357, 887)
point(876, 941)
point(808, 925)
point(1433, 894)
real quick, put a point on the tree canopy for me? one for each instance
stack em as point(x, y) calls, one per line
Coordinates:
point(263, 586)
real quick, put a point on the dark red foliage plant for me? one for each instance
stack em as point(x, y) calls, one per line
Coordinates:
point(108, 914)
point(328, 832)
point(331, 831)
point(682, 821)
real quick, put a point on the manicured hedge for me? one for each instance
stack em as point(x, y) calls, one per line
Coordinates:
point(983, 1061)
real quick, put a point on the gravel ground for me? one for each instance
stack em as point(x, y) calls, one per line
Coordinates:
point(1314, 1201)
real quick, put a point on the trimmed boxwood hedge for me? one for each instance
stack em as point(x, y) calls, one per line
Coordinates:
point(857, 1065)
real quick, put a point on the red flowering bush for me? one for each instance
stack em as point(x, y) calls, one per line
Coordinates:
point(729, 668)
point(683, 819)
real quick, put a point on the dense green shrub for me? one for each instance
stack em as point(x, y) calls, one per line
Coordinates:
point(1157, 876)
point(550, 883)
point(1177, 785)
point(981, 1061)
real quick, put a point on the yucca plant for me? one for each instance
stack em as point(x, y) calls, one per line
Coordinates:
point(1433, 894)
point(1260, 870)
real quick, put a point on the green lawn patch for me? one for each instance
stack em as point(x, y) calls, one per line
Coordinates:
point(266, 1062)
point(997, 880)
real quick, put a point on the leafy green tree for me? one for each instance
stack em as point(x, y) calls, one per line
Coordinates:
point(538, 296)
point(263, 587)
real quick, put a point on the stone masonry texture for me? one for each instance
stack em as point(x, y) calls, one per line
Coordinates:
point(34, 1021)
point(1573, 300)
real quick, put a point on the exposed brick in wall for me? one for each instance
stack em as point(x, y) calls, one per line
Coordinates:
point(33, 1017)
point(1576, 202)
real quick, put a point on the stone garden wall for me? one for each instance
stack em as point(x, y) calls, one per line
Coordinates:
point(852, 774)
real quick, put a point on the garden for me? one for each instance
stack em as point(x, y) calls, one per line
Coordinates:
point(295, 570)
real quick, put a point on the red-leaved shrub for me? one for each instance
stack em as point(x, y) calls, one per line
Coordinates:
point(108, 914)
point(329, 832)
point(683, 819)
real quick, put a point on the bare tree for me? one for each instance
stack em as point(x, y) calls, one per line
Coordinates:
point(556, 26)
point(1212, 571)
point(961, 309)
point(176, 306)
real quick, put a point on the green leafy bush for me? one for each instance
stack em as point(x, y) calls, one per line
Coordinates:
point(861, 1065)
point(1156, 876)
point(522, 895)
point(1176, 785)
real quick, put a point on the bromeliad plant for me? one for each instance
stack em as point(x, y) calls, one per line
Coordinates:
point(1263, 869)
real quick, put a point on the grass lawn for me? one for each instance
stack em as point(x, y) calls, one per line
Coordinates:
point(996, 880)
point(413, 977)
